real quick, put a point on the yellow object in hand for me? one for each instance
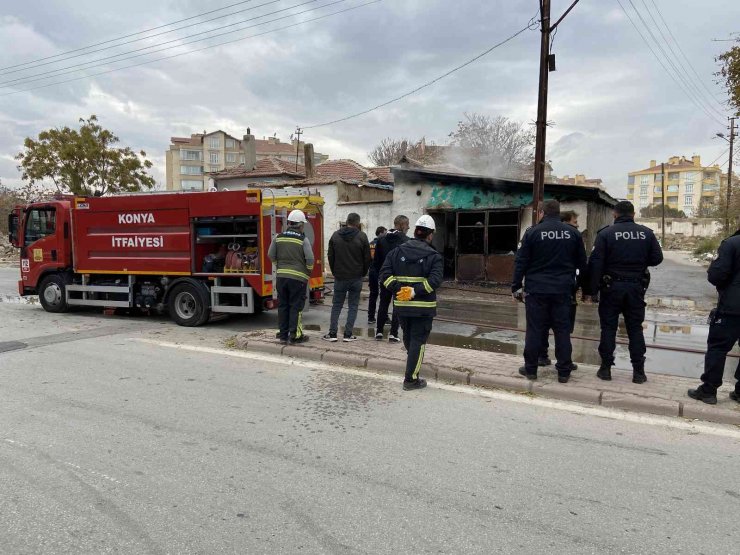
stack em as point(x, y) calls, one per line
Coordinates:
point(405, 294)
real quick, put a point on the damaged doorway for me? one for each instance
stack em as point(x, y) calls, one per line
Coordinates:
point(486, 245)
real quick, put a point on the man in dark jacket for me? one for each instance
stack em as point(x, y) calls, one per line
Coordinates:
point(546, 262)
point(724, 322)
point(618, 274)
point(349, 260)
point(392, 239)
point(372, 277)
point(412, 272)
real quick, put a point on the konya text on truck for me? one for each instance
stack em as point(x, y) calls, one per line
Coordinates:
point(190, 254)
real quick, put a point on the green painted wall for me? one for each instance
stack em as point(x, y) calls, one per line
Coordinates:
point(464, 197)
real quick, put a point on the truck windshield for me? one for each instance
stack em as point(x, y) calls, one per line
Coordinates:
point(40, 222)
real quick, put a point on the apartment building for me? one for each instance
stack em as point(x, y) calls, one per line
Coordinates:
point(189, 160)
point(687, 182)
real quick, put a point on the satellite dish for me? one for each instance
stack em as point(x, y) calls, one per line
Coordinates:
point(212, 189)
point(224, 189)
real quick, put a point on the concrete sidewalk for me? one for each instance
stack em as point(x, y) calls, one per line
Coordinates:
point(662, 394)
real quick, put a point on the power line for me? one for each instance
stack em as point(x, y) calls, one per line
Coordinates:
point(138, 40)
point(668, 57)
point(425, 85)
point(127, 36)
point(662, 64)
point(77, 67)
point(701, 94)
point(727, 150)
point(195, 49)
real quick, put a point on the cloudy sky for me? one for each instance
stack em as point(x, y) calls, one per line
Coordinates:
point(612, 106)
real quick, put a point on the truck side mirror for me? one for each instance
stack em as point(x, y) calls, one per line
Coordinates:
point(14, 219)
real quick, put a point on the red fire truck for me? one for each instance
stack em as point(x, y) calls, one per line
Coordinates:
point(190, 254)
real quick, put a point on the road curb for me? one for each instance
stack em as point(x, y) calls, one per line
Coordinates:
point(626, 401)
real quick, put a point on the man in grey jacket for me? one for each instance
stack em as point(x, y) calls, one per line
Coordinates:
point(349, 260)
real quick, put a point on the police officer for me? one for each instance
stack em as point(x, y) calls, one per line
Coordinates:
point(412, 272)
point(292, 254)
point(724, 321)
point(546, 261)
point(619, 277)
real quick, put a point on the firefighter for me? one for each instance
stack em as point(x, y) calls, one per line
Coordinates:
point(724, 322)
point(619, 278)
point(291, 253)
point(412, 272)
point(546, 264)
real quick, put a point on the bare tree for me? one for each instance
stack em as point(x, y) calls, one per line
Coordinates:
point(492, 145)
point(390, 151)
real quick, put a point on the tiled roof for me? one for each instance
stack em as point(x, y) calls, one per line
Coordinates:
point(383, 172)
point(264, 146)
point(682, 165)
point(349, 169)
point(267, 167)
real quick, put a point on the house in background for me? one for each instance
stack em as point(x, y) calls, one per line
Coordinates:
point(190, 159)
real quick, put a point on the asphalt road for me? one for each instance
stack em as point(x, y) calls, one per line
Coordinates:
point(112, 444)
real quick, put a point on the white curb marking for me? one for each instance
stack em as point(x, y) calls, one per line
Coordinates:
point(567, 406)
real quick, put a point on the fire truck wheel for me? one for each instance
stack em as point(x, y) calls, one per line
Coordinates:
point(52, 294)
point(188, 305)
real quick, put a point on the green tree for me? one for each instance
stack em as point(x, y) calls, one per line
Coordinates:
point(84, 161)
point(729, 75)
point(656, 210)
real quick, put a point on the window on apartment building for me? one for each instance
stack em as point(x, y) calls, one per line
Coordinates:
point(689, 188)
point(643, 200)
point(213, 157)
point(191, 185)
point(214, 142)
point(230, 157)
point(630, 180)
point(644, 180)
point(673, 175)
point(672, 188)
point(688, 200)
point(241, 159)
point(710, 175)
point(689, 177)
point(709, 187)
point(658, 189)
point(643, 189)
point(672, 200)
point(658, 178)
point(214, 169)
point(190, 155)
point(191, 170)
point(230, 143)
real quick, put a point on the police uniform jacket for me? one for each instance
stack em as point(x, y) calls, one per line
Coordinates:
point(414, 264)
point(724, 274)
point(548, 257)
point(623, 251)
point(292, 253)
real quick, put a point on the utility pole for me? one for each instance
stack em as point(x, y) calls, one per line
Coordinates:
point(547, 64)
point(729, 177)
point(662, 204)
point(298, 133)
point(538, 192)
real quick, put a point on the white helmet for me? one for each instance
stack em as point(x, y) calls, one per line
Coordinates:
point(426, 221)
point(297, 217)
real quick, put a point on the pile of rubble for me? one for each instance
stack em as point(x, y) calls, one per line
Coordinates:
point(8, 253)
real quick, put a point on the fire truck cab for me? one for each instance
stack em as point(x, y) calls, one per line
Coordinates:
point(189, 254)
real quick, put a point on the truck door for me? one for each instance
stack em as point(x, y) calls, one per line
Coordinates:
point(41, 248)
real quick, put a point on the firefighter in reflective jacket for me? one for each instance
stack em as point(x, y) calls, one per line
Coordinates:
point(292, 255)
point(412, 272)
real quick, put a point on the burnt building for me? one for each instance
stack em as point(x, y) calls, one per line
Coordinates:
point(480, 220)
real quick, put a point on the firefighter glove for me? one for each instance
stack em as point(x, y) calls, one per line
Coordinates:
point(405, 294)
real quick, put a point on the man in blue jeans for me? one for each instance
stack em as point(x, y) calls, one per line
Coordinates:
point(349, 261)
